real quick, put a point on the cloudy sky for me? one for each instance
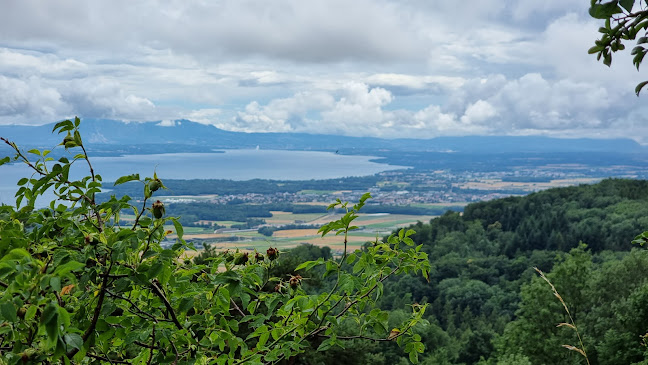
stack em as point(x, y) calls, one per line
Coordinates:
point(409, 68)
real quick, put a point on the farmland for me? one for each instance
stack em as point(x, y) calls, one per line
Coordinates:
point(371, 226)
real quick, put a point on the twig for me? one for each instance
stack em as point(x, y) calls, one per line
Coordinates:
point(237, 307)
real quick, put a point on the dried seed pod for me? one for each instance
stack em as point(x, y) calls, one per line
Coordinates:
point(273, 253)
point(295, 281)
point(240, 258)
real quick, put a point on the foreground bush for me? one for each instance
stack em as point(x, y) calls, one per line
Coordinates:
point(78, 287)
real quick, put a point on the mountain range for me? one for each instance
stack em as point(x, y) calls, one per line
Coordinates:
point(115, 137)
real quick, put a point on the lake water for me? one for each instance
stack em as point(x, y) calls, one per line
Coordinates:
point(232, 164)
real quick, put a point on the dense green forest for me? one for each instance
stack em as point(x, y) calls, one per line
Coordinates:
point(489, 306)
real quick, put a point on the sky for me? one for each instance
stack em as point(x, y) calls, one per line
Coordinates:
point(382, 68)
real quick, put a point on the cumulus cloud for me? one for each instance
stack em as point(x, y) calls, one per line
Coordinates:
point(388, 68)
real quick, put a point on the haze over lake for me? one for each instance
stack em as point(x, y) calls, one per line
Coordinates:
point(242, 164)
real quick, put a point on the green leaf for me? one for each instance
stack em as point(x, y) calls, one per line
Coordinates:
point(64, 317)
point(67, 267)
point(73, 340)
point(639, 87)
point(49, 319)
point(5, 160)
point(31, 313)
point(126, 178)
point(604, 11)
point(65, 125)
point(627, 4)
point(263, 339)
point(223, 299)
point(413, 356)
point(55, 283)
point(351, 258)
point(178, 228)
point(155, 270)
point(310, 264)
point(326, 344)
point(16, 254)
point(8, 312)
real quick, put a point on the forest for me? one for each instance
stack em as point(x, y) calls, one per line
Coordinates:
point(487, 305)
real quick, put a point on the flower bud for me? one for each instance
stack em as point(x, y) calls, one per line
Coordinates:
point(155, 185)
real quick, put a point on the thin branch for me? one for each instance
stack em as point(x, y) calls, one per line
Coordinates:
point(97, 311)
point(3, 284)
point(151, 348)
point(360, 337)
point(237, 307)
point(157, 291)
point(103, 358)
point(139, 215)
point(139, 312)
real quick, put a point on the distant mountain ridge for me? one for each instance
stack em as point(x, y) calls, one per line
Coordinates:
point(185, 135)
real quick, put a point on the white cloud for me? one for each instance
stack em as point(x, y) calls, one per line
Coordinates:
point(27, 101)
point(478, 112)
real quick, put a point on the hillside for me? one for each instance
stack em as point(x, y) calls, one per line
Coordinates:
point(488, 303)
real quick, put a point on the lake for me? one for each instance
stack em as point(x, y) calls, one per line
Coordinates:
point(244, 164)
